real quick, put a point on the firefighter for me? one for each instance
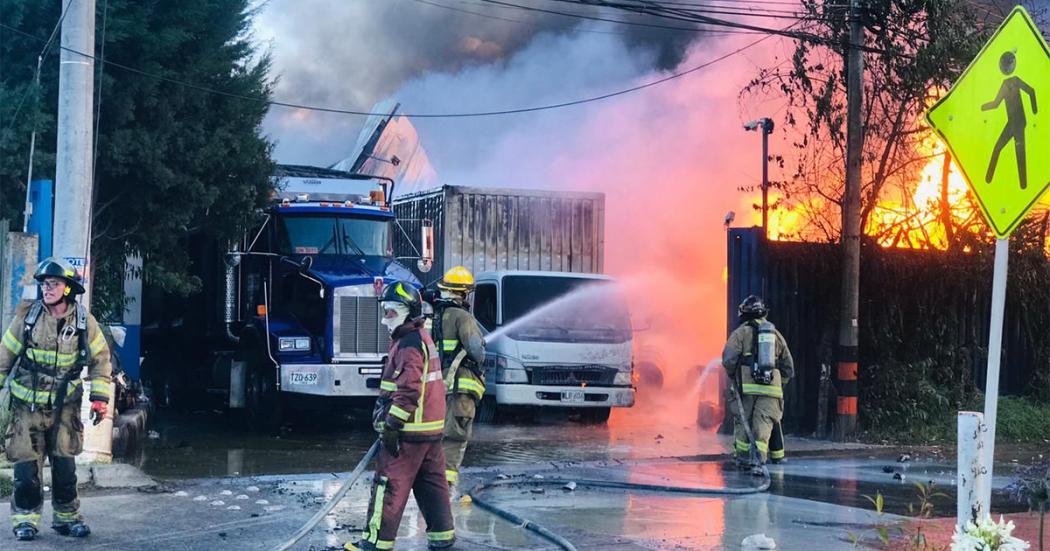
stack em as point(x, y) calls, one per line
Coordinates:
point(462, 353)
point(410, 418)
point(44, 349)
point(759, 364)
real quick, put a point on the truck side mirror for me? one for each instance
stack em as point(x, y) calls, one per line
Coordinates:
point(426, 263)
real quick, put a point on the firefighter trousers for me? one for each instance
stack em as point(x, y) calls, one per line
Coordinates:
point(763, 414)
point(34, 436)
point(776, 442)
point(419, 469)
point(459, 425)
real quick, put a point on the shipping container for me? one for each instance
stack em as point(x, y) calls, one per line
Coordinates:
point(499, 229)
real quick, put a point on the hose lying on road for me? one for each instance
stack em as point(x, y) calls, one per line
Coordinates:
point(565, 544)
point(327, 508)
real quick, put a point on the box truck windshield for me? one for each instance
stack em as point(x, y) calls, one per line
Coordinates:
point(333, 235)
point(564, 309)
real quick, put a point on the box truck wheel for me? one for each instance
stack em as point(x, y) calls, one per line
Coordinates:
point(487, 410)
point(265, 411)
point(596, 416)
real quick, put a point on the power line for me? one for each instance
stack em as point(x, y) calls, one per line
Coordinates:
point(515, 111)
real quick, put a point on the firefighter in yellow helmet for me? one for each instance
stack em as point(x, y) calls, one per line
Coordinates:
point(41, 356)
point(759, 365)
point(462, 349)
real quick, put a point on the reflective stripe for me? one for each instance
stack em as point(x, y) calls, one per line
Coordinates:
point(422, 385)
point(472, 386)
point(399, 413)
point(377, 511)
point(3, 379)
point(441, 536)
point(32, 518)
point(389, 386)
point(448, 345)
point(452, 476)
point(433, 376)
point(762, 446)
point(384, 544)
point(424, 427)
point(777, 454)
point(50, 357)
point(742, 446)
point(40, 396)
point(11, 343)
point(100, 388)
point(763, 390)
point(97, 344)
point(66, 518)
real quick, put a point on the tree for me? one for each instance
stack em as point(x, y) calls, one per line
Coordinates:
point(171, 160)
point(916, 48)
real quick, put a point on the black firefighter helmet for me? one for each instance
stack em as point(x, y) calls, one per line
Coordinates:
point(399, 291)
point(62, 269)
point(753, 307)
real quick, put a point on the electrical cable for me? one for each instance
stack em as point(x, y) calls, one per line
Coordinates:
point(333, 501)
point(306, 107)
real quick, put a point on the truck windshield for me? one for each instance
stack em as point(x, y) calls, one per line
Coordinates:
point(333, 235)
point(564, 309)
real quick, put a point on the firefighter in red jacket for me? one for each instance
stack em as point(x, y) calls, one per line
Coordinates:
point(410, 418)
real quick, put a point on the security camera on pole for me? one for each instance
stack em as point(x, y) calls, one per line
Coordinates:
point(991, 122)
point(73, 173)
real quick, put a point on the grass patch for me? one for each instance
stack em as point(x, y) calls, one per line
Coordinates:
point(6, 486)
point(1020, 420)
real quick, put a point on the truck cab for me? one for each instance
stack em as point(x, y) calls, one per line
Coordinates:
point(301, 294)
point(554, 339)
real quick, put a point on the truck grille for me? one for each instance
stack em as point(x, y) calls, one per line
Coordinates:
point(359, 331)
point(573, 375)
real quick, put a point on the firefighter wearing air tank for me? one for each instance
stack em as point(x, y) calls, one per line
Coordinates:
point(759, 364)
point(410, 417)
point(462, 353)
point(44, 349)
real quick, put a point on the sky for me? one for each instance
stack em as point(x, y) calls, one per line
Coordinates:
point(670, 158)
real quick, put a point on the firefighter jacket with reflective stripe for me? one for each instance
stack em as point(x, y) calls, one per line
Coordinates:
point(411, 391)
point(739, 355)
point(462, 350)
point(52, 354)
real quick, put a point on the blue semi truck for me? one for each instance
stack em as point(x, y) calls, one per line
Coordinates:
point(288, 316)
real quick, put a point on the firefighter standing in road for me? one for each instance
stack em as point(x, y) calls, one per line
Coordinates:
point(410, 417)
point(759, 376)
point(462, 353)
point(41, 357)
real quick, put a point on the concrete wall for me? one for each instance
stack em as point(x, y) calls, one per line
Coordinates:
point(18, 259)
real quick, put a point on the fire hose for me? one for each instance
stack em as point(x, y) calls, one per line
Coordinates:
point(538, 529)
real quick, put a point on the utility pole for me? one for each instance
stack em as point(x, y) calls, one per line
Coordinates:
point(846, 418)
point(764, 125)
point(73, 174)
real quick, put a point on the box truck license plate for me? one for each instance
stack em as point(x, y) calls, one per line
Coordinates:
point(303, 378)
point(573, 396)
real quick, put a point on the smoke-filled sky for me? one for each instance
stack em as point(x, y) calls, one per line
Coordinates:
point(669, 158)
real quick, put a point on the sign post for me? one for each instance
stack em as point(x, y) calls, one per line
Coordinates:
point(991, 122)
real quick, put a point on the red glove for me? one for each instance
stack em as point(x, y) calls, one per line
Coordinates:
point(98, 411)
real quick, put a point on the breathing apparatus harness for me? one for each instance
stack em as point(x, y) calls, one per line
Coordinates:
point(450, 363)
point(62, 385)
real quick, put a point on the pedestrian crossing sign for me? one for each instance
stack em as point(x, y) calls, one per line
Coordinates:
point(993, 126)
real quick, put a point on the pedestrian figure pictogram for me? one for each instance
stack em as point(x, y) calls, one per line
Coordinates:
point(1010, 93)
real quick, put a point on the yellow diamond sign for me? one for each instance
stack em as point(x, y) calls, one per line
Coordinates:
point(991, 122)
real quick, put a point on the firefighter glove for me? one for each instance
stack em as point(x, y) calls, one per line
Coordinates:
point(392, 440)
point(98, 411)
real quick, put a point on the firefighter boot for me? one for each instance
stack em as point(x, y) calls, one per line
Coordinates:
point(25, 532)
point(438, 545)
point(361, 545)
point(75, 529)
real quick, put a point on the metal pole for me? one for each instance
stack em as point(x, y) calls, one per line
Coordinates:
point(765, 177)
point(969, 439)
point(846, 420)
point(991, 385)
point(73, 177)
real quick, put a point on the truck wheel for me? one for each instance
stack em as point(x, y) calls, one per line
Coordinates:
point(649, 375)
point(596, 416)
point(487, 410)
point(265, 411)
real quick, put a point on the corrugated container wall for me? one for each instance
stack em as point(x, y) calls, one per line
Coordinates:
point(487, 229)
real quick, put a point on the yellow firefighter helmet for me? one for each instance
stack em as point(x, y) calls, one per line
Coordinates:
point(457, 279)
